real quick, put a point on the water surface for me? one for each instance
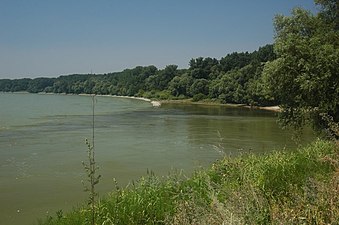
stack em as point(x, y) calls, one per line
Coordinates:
point(42, 145)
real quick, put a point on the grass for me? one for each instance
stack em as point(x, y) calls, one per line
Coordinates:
point(299, 187)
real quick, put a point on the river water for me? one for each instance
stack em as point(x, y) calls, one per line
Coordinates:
point(42, 145)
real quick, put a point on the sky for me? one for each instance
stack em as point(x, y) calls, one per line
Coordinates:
point(49, 38)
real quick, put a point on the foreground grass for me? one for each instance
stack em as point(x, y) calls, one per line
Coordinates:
point(299, 187)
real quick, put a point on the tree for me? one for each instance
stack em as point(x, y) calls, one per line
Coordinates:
point(305, 76)
point(180, 85)
point(39, 84)
point(230, 91)
point(235, 60)
point(264, 54)
point(202, 68)
point(160, 80)
point(199, 86)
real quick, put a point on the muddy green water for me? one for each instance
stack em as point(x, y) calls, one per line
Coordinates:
point(42, 145)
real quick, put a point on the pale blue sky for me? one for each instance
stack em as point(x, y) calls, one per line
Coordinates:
point(53, 37)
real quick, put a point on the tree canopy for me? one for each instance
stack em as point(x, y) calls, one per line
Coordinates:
point(305, 76)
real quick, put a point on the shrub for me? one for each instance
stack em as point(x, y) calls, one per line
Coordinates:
point(198, 97)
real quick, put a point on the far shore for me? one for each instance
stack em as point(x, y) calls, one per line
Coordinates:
point(154, 103)
point(158, 103)
point(213, 103)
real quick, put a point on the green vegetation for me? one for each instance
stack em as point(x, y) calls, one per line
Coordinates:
point(298, 187)
point(305, 75)
point(235, 78)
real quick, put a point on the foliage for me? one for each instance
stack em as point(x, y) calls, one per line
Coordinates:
point(198, 97)
point(297, 187)
point(199, 86)
point(304, 78)
point(235, 78)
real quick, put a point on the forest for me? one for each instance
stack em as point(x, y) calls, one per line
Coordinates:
point(235, 78)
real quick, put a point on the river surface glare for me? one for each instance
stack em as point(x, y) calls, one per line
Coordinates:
point(42, 145)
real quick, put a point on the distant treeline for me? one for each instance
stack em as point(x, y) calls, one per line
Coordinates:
point(235, 78)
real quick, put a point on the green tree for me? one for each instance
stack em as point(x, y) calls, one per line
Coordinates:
point(199, 86)
point(180, 85)
point(305, 76)
point(203, 68)
point(263, 54)
point(161, 79)
point(235, 61)
point(39, 84)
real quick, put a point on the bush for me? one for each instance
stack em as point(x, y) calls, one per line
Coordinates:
point(198, 97)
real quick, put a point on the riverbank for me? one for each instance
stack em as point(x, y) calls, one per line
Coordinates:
point(153, 102)
point(158, 103)
point(295, 187)
point(215, 103)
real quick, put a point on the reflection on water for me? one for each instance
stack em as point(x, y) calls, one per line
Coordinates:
point(42, 145)
point(235, 128)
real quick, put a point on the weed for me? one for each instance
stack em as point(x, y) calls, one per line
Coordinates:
point(299, 187)
point(91, 170)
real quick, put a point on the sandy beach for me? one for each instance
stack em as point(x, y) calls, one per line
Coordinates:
point(154, 103)
point(188, 101)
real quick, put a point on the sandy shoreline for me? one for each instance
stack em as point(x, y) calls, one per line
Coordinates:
point(154, 103)
point(186, 101)
point(270, 108)
point(158, 103)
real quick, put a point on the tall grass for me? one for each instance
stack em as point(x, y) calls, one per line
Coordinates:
point(299, 187)
point(281, 187)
